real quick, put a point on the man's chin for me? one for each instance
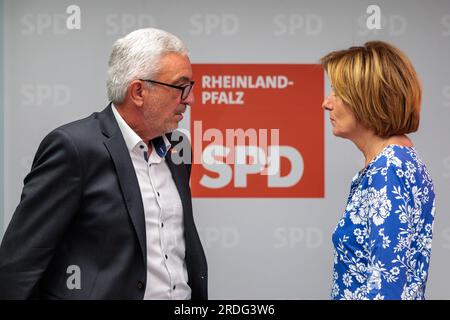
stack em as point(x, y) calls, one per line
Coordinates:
point(172, 128)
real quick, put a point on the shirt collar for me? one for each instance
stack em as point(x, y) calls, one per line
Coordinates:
point(160, 144)
point(131, 138)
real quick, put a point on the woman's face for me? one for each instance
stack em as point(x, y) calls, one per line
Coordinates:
point(342, 117)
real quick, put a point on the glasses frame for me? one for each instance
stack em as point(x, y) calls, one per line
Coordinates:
point(184, 93)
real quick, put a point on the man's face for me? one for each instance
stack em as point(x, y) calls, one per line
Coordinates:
point(163, 106)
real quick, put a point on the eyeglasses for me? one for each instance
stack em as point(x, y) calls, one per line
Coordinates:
point(185, 90)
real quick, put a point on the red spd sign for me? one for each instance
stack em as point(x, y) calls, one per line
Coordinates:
point(258, 131)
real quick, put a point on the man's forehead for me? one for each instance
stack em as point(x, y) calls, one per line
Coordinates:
point(176, 66)
point(175, 58)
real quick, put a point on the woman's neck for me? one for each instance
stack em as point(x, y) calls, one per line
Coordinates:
point(371, 145)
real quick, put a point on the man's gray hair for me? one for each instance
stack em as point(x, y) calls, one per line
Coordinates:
point(136, 56)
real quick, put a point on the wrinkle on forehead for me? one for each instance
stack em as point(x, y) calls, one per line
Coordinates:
point(175, 68)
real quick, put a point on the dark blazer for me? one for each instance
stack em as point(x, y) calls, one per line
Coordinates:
point(81, 205)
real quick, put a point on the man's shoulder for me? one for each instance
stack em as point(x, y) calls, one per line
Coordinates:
point(85, 127)
point(81, 125)
point(82, 132)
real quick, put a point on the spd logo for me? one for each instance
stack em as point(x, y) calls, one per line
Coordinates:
point(258, 131)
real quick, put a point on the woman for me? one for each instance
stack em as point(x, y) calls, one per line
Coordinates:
point(383, 241)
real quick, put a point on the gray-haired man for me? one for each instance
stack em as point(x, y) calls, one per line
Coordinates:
point(105, 212)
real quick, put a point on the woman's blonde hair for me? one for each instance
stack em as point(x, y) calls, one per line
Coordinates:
point(380, 85)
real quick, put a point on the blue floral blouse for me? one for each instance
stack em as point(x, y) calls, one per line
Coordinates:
point(383, 241)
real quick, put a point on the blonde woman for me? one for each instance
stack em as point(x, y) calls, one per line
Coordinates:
point(383, 240)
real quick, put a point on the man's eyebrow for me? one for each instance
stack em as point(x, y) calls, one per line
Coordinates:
point(183, 79)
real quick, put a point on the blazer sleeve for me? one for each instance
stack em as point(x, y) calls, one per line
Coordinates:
point(50, 198)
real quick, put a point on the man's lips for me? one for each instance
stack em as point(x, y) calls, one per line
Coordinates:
point(179, 113)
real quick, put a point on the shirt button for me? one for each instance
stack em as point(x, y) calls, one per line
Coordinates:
point(166, 256)
point(158, 194)
point(162, 224)
point(140, 285)
point(141, 146)
point(174, 287)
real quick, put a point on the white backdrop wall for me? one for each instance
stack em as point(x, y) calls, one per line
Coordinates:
point(257, 248)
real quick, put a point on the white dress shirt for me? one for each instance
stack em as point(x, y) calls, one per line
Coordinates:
point(166, 268)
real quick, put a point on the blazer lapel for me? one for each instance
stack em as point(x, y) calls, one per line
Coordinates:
point(126, 175)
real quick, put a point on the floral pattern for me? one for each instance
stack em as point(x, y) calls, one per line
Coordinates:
point(383, 241)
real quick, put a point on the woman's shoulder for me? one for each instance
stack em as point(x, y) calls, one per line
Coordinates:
point(396, 156)
point(400, 163)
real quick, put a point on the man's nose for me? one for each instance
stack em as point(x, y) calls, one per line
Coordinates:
point(190, 98)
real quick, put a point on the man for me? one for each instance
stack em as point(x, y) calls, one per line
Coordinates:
point(106, 212)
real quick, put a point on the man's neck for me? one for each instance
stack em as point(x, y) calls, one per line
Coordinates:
point(132, 119)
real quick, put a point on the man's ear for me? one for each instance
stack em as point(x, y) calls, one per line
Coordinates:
point(135, 92)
